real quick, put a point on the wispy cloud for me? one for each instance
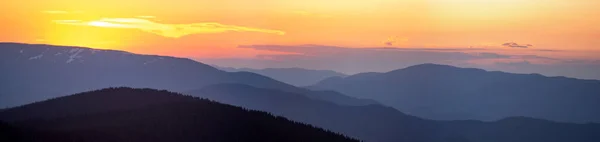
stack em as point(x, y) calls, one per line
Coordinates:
point(391, 41)
point(167, 30)
point(352, 60)
point(516, 45)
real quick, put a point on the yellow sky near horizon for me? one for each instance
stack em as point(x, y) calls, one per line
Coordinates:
point(213, 29)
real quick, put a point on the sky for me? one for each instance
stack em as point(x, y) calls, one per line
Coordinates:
point(528, 36)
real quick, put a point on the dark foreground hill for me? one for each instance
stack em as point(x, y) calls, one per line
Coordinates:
point(450, 93)
point(379, 123)
point(124, 114)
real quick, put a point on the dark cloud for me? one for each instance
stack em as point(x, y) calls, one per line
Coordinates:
point(389, 43)
point(492, 55)
point(405, 54)
point(516, 45)
point(535, 57)
point(431, 49)
point(577, 69)
point(352, 60)
point(549, 50)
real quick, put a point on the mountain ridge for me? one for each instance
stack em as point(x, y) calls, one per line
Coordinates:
point(450, 93)
point(385, 124)
point(82, 69)
point(295, 76)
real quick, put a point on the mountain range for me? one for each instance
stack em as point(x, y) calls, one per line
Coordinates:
point(444, 92)
point(37, 72)
point(34, 73)
point(294, 76)
point(380, 123)
point(125, 114)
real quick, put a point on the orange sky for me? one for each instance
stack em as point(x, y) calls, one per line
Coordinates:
point(213, 29)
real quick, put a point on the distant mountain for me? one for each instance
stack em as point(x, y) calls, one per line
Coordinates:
point(337, 98)
point(294, 76)
point(37, 72)
point(449, 93)
point(124, 114)
point(520, 129)
point(378, 123)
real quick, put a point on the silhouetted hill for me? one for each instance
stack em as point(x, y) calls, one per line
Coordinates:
point(124, 114)
point(450, 93)
point(37, 72)
point(371, 123)
point(384, 124)
point(294, 76)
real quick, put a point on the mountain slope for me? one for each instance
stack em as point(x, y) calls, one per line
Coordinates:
point(124, 114)
point(37, 72)
point(369, 123)
point(384, 124)
point(451, 93)
point(522, 129)
point(294, 76)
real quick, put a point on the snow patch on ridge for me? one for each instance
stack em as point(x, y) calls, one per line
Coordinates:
point(74, 55)
point(36, 57)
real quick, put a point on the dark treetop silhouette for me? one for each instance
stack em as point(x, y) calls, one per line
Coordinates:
point(125, 114)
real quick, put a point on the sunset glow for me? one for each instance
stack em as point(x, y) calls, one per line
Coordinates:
point(166, 30)
point(211, 29)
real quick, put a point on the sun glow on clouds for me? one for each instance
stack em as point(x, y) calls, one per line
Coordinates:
point(167, 30)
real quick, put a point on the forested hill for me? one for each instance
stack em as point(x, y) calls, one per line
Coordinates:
point(125, 114)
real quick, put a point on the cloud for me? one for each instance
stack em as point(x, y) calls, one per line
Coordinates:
point(516, 45)
point(351, 60)
point(587, 69)
point(355, 60)
point(550, 50)
point(394, 40)
point(389, 43)
point(167, 30)
point(323, 50)
point(492, 55)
